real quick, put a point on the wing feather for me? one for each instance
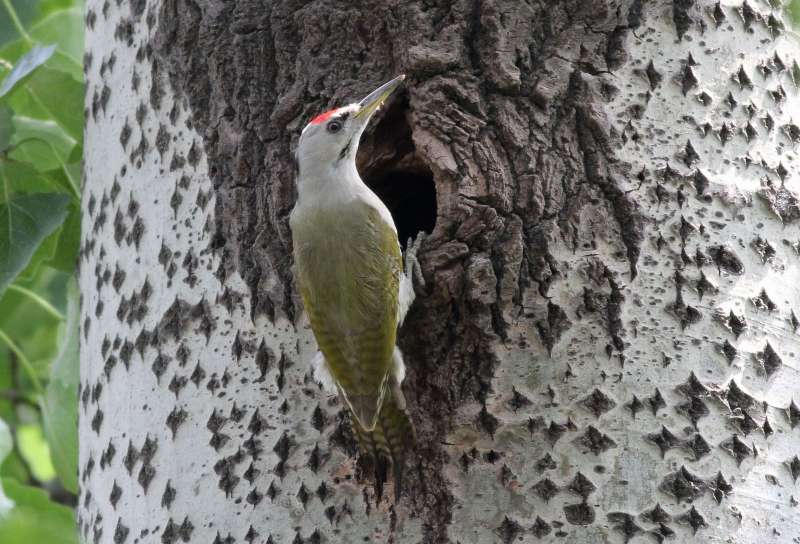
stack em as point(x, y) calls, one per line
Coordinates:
point(349, 266)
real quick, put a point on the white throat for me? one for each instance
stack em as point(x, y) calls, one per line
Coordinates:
point(331, 186)
point(323, 181)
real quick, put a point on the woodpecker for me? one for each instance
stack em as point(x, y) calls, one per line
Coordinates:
point(350, 275)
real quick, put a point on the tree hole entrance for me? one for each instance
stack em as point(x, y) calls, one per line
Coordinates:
point(390, 166)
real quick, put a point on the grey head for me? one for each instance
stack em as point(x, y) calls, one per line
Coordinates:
point(330, 140)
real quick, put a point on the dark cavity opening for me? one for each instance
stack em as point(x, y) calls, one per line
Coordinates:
point(390, 166)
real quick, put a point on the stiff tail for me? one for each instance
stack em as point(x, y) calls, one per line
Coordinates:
point(390, 441)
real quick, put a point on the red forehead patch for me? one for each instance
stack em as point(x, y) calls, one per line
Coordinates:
point(322, 117)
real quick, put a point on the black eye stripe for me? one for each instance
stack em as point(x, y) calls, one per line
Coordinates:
point(343, 117)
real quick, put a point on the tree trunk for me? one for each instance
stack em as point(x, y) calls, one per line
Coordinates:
point(605, 350)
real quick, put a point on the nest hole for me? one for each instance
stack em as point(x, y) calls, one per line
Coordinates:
point(390, 165)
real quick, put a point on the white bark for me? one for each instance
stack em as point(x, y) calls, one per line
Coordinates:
point(207, 426)
point(660, 352)
point(215, 420)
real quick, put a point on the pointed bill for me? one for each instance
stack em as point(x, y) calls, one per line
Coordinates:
point(373, 100)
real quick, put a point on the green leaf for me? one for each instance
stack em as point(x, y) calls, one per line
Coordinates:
point(29, 62)
point(35, 518)
point(50, 94)
point(65, 28)
point(26, 11)
point(44, 253)
point(22, 177)
point(75, 159)
point(13, 50)
point(48, 6)
point(6, 128)
point(44, 144)
point(60, 402)
point(25, 221)
point(59, 249)
point(14, 467)
point(65, 257)
point(34, 449)
point(7, 412)
point(64, 183)
point(40, 343)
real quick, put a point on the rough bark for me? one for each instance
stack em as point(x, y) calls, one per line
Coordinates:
point(605, 349)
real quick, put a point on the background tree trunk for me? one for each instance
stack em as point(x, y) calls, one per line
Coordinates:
point(606, 349)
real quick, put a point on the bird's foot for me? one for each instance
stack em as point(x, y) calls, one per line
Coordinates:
point(412, 267)
point(413, 271)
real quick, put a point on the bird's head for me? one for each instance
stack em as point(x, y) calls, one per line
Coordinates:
point(331, 139)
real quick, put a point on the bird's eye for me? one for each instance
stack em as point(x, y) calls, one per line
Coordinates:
point(334, 126)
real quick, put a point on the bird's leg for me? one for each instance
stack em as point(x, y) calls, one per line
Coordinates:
point(413, 271)
point(412, 266)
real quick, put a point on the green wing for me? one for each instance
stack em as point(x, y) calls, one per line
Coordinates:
point(349, 266)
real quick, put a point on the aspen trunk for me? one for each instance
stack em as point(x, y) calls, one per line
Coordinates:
point(605, 350)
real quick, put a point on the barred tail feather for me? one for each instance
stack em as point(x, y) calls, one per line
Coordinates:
point(391, 439)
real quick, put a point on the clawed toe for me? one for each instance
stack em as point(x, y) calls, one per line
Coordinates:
point(412, 266)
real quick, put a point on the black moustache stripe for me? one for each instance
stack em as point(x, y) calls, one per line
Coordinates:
point(343, 152)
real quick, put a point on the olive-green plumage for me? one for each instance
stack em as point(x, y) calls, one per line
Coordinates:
point(348, 272)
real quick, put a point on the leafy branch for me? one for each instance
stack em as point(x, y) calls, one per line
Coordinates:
point(12, 13)
point(26, 364)
point(41, 146)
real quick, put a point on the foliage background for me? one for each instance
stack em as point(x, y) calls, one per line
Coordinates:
point(41, 134)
